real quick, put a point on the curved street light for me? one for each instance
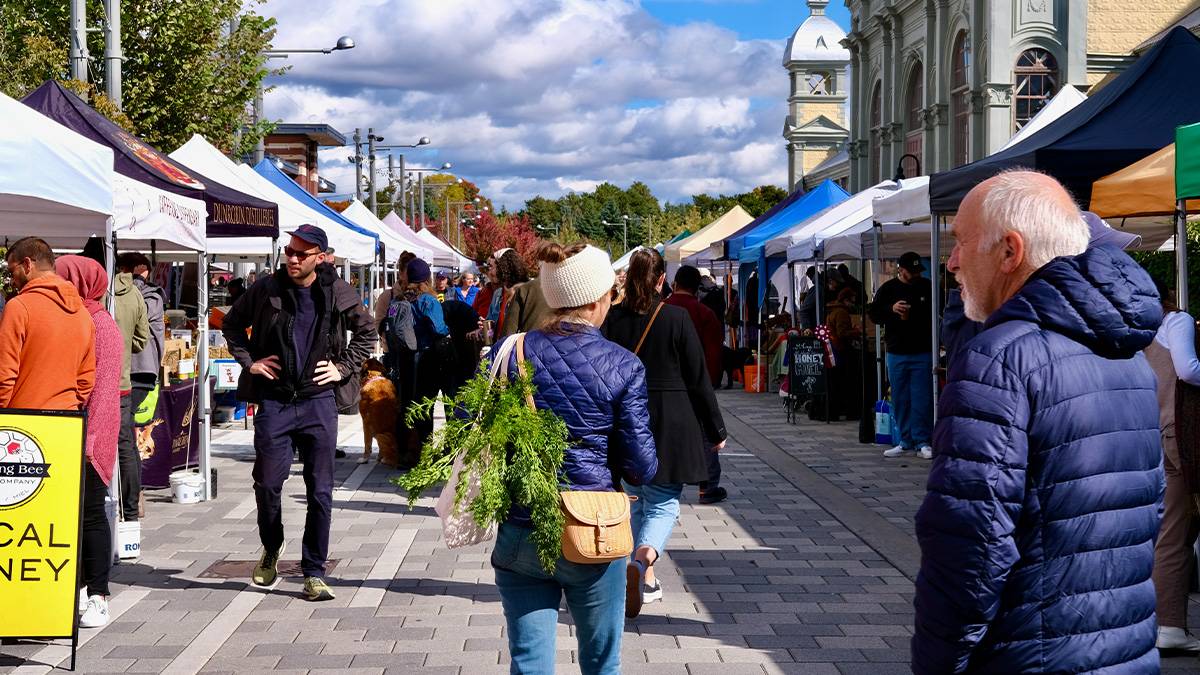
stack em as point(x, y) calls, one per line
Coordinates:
point(343, 43)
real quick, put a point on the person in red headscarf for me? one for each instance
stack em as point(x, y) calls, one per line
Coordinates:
point(104, 420)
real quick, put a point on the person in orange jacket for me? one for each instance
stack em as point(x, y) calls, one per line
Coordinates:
point(47, 339)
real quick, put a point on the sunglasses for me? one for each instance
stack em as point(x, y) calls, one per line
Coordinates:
point(289, 252)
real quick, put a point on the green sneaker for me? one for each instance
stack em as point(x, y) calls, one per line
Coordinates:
point(316, 590)
point(266, 574)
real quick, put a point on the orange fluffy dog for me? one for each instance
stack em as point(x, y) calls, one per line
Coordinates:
point(378, 408)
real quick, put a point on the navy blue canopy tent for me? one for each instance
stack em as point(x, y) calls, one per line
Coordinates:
point(1130, 118)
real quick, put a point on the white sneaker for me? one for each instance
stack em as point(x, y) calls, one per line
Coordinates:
point(96, 613)
point(897, 451)
point(925, 452)
point(652, 593)
point(1176, 639)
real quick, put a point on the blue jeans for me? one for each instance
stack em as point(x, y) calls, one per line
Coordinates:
point(530, 596)
point(653, 514)
point(911, 377)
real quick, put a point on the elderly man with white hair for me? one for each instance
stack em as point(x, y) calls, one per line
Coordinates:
point(1045, 494)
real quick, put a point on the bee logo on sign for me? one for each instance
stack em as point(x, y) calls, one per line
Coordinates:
point(23, 468)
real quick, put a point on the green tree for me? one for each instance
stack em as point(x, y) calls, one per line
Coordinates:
point(546, 215)
point(185, 71)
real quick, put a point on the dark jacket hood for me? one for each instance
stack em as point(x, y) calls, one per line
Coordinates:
point(1100, 298)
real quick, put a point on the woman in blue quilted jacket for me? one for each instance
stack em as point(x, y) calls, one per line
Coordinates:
point(599, 390)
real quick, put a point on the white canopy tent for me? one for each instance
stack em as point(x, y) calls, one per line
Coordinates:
point(446, 255)
point(1067, 98)
point(202, 156)
point(393, 243)
point(622, 263)
point(53, 181)
point(803, 241)
point(413, 243)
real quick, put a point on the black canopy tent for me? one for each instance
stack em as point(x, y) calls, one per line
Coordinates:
point(1131, 117)
point(230, 213)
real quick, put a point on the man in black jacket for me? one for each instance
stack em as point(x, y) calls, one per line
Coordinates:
point(293, 361)
point(903, 307)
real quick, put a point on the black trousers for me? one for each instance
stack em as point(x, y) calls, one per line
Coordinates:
point(97, 539)
point(129, 461)
point(310, 427)
point(713, 458)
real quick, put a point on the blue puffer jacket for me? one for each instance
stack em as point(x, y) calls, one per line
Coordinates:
point(599, 389)
point(1044, 498)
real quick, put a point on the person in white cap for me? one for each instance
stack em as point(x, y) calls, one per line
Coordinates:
point(599, 390)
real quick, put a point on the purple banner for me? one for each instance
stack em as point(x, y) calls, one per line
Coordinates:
point(172, 439)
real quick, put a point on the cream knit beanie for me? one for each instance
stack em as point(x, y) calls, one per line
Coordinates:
point(579, 280)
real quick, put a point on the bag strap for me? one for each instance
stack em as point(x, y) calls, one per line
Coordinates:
point(642, 340)
point(521, 366)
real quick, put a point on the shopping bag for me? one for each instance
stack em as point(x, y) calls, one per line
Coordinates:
point(458, 525)
point(883, 423)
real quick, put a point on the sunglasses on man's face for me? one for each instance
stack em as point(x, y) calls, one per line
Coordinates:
point(289, 252)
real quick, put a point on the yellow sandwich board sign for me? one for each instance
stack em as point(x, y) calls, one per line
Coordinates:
point(41, 481)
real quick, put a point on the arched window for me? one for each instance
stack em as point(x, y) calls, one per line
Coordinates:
point(960, 98)
point(876, 121)
point(1036, 81)
point(914, 126)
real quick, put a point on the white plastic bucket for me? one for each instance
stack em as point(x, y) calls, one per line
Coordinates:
point(188, 487)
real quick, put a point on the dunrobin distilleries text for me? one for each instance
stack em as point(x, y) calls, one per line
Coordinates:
point(242, 215)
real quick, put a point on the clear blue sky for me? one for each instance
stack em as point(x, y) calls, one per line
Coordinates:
point(752, 19)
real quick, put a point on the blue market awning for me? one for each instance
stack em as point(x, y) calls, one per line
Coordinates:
point(750, 247)
point(353, 243)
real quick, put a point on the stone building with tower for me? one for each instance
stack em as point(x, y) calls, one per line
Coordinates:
point(816, 130)
point(940, 83)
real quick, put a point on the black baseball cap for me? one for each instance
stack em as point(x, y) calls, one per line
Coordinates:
point(313, 235)
point(911, 261)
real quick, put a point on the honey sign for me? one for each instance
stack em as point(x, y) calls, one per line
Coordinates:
point(41, 480)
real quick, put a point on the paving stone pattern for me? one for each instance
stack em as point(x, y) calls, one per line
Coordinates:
point(768, 582)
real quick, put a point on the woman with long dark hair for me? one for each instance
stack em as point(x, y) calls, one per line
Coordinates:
point(598, 390)
point(510, 271)
point(684, 415)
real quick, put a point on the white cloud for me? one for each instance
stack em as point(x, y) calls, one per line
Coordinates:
point(533, 97)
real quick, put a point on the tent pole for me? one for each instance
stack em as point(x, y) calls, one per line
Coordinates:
point(792, 290)
point(203, 404)
point(936, 310)
point(1181, 256)
point(875, 227)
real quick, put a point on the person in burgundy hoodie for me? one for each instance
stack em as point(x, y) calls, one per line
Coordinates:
point(708, 326)
point(47, 340)
point(104, 421)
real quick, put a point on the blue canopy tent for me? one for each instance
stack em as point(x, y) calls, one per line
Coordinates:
point(356, 254)
point(750, 248)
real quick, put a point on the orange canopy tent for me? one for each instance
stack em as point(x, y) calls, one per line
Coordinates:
point(1144, 188)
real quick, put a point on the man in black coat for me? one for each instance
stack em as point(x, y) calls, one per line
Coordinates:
point(297, 366)
point(904, 306)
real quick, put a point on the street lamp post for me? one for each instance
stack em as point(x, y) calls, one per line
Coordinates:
point(343, 43)
point(421, 188)
point(900, 167)
point(424, 140)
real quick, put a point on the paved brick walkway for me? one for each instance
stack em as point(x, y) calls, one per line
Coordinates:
point(806, 569)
